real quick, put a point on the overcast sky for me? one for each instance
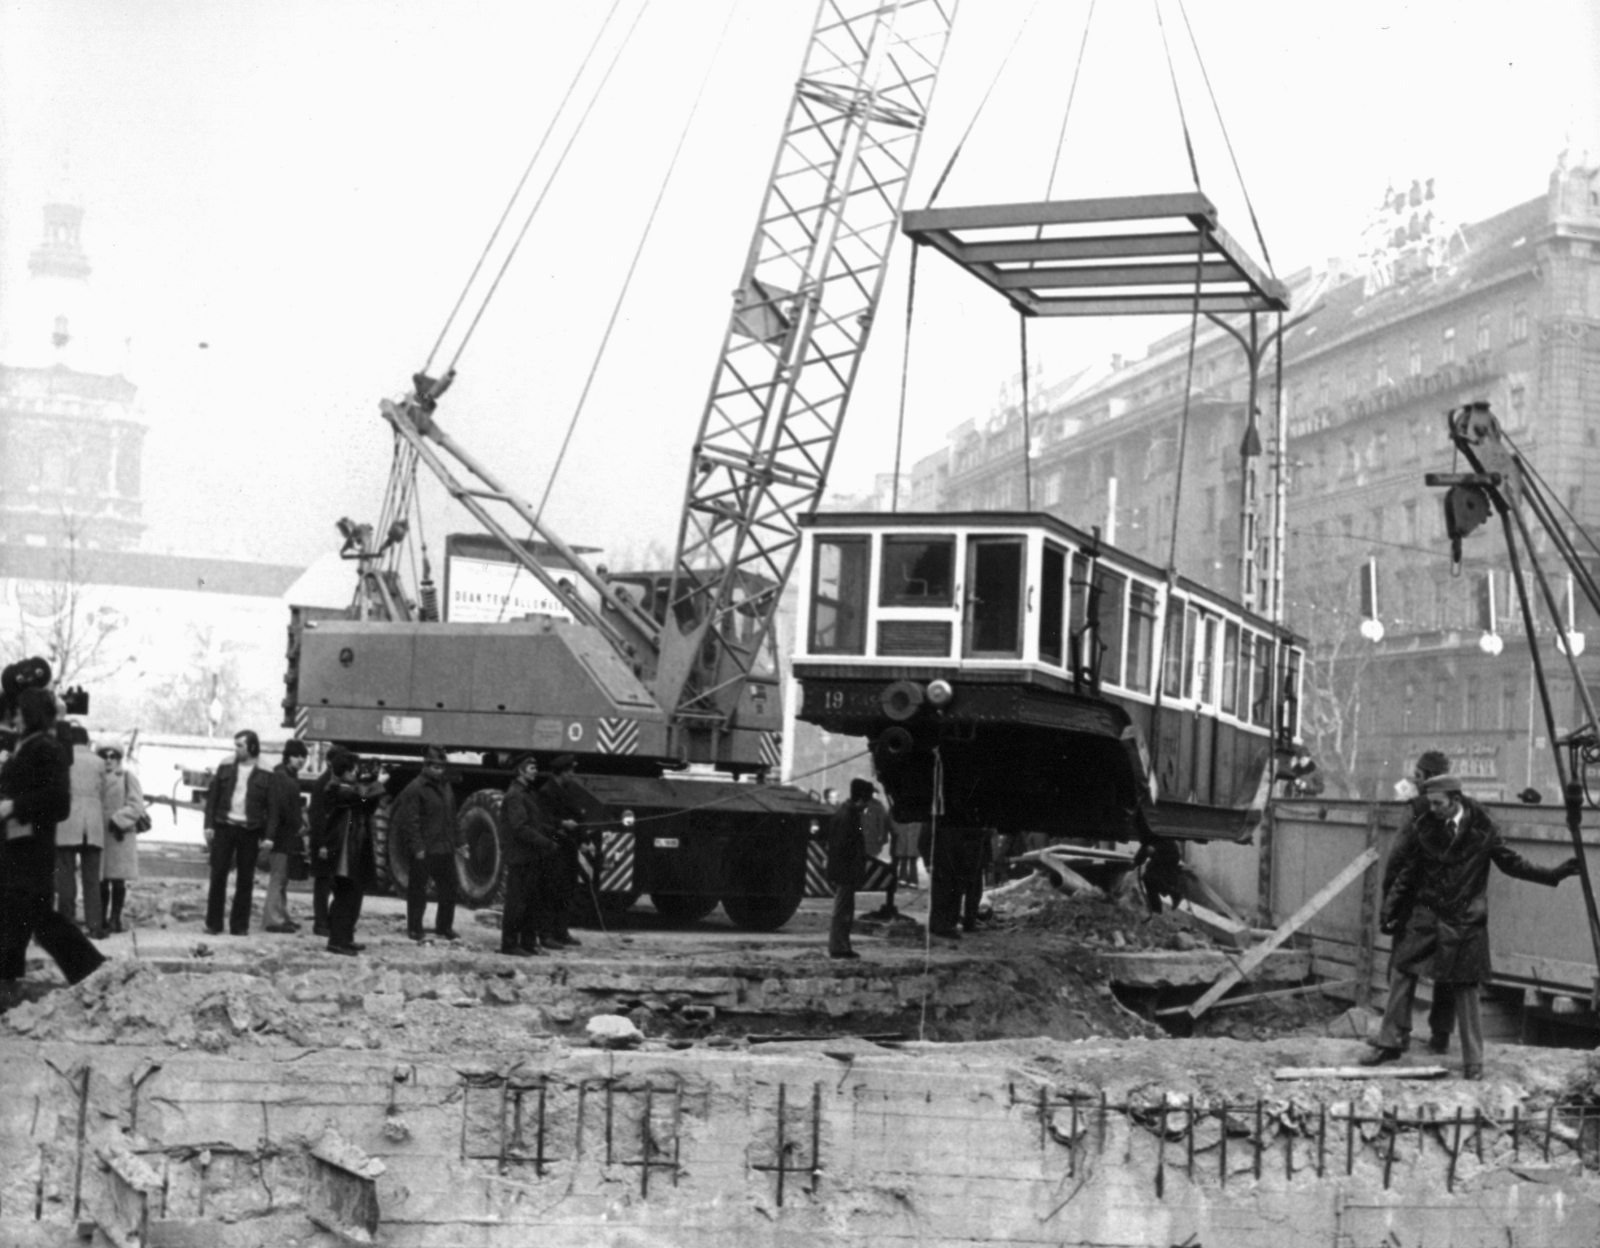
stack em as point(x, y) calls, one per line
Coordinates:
point(304, 184)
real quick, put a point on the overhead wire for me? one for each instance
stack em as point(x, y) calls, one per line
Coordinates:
point(566, 150)
point(505, 215)
point(627, 281)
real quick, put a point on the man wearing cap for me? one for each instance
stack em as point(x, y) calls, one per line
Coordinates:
point(531, 855)
point(424, 821)
point(846, 864)
point(1442, 1009)
point(1446, 936)
point(284, 821)
point(565, 805)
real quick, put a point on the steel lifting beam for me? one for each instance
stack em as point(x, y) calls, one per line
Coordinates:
point(802, 312)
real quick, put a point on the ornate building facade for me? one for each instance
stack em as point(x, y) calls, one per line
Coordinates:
point(1432, 316)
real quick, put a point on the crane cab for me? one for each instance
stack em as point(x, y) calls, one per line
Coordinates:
point(1011, 671)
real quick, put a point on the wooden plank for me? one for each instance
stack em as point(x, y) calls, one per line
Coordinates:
point(1327, 986)
point(1288, 928)
point(1115, 275)
point(1188, 204)
point(1100, 247)
point(1360, 1072)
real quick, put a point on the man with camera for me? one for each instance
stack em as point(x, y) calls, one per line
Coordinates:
point(235, 817)
point(342, 858)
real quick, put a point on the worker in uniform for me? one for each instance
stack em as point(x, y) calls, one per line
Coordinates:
point(1159, 867)
point(939, 846)
point(284, 819)
point(1446, 934)
point(977, 852)
point(424, 821)
point(846, 863)
point(531, 857)
point(565, 803)
point(1442, 1009)
point(235, 816)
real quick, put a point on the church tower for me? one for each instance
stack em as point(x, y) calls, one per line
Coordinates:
point(70, 436)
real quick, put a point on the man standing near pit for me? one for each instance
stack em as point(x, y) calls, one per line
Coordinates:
point(424, 820)
point(235, 817)
point(846, 864)
point(531, 854)
point(283, 833)
point(565, 804)
point(1446, 936)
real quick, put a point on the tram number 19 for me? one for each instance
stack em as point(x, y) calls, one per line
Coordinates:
point(833, 700)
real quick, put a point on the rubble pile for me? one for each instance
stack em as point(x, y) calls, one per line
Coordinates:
point(1092, 918)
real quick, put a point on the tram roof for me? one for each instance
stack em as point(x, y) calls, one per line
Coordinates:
point(1014, 521)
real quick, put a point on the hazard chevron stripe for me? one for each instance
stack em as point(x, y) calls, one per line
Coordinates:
point(617, 735)
point(771, 749)
point(616, 871)
point(302, 721)
point(817, 871)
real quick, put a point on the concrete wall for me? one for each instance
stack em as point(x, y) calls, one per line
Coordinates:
point(808, 1147)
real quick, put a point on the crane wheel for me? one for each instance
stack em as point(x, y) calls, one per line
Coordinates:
point(481, 872)
point(391, 866)
point(761, 912)
point(681, 909)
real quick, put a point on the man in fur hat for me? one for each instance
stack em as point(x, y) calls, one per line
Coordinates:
point(1446, 935)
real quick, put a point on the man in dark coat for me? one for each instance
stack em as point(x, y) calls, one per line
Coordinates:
point(235, 817)
point(531, 854)
point(566, 805)
point(847, 865)
point(284, 819)
point(1446, 936)
point(341, 844)
point(35, 795)
point(424, 822)
point(1442, 1009)
point(940, 846)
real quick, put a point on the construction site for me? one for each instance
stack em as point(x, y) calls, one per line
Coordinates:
point(738, 1048)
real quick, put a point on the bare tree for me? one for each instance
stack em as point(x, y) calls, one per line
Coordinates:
point(59, 618)
point(204, 693)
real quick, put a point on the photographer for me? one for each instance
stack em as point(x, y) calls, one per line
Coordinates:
point(35, 795)
point(341, 845)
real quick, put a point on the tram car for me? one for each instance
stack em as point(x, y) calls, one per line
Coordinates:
point(1010, 671)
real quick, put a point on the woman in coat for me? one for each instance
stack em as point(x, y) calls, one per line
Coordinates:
point(125, 819)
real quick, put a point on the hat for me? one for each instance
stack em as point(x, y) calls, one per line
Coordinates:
point(109, 750)
point(522, 760)
point(433, 754)
point(1432, 763)
point(1445, 783)
point(862, 788)
point(563, 762)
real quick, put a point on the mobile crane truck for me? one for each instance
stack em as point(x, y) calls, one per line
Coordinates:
point(642, 676)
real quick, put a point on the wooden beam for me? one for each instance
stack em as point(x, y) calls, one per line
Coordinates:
point(1288, 928)
point(1360, 1072)
point(1099, 247)
point(1322, 985)
point(1179, 275)
point(1143, 305)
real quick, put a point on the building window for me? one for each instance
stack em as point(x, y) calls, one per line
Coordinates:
point(1375, 529)
point(1414, 359)
point(1324, 390)
point(1409, 510)
point(1347, 525)
point(1382, 370)
point(1211, 508)
point(1052, 489)
point(1351, 459)
point(1519, 321)
point(1449, 344)
point(1508, 705)
point(1441, 720)
point(1380, 449)
point(1483, 333)
point(1350, 384)
point(1474, 698)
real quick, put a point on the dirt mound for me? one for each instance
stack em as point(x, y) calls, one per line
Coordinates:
point(1092, 918)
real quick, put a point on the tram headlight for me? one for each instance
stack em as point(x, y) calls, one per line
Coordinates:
point(940, 693)
point(627, 818)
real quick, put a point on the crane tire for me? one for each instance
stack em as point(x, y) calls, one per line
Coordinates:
point(481, 873)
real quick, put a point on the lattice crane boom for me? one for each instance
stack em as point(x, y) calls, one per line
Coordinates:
point(801, 317)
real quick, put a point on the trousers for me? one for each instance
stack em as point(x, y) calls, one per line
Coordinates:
point(234, 849)
point(1459, 999)
point(28, 912)
point(344, 910)
point(844, 915)
point(71, 862)
point(441, 869)
point(275, 907)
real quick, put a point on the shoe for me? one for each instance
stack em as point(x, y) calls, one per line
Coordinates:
point(416, 934)
point(518, 952)
point(447, 935)
point(969, 927)
point(949, 933)
point(348, 951)
point(320, 929)
point(565, 938)
point(282, 929)
point(1377, 1055)
point(847, 953)
point(116, 926)
point(99, 933)
point(357, 946)
point(1473, 1073)
point(1439, 1044)
point(213, 931)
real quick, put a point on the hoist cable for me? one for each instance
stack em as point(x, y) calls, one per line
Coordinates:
point(1528, 467)
point(1027, 427)
point(1177, 95)
point(538, 151)
point(1072, 91)
point(1238, 173)
point(627, 282)
point(978, 112)
point(566, 151)
point(905, 370)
